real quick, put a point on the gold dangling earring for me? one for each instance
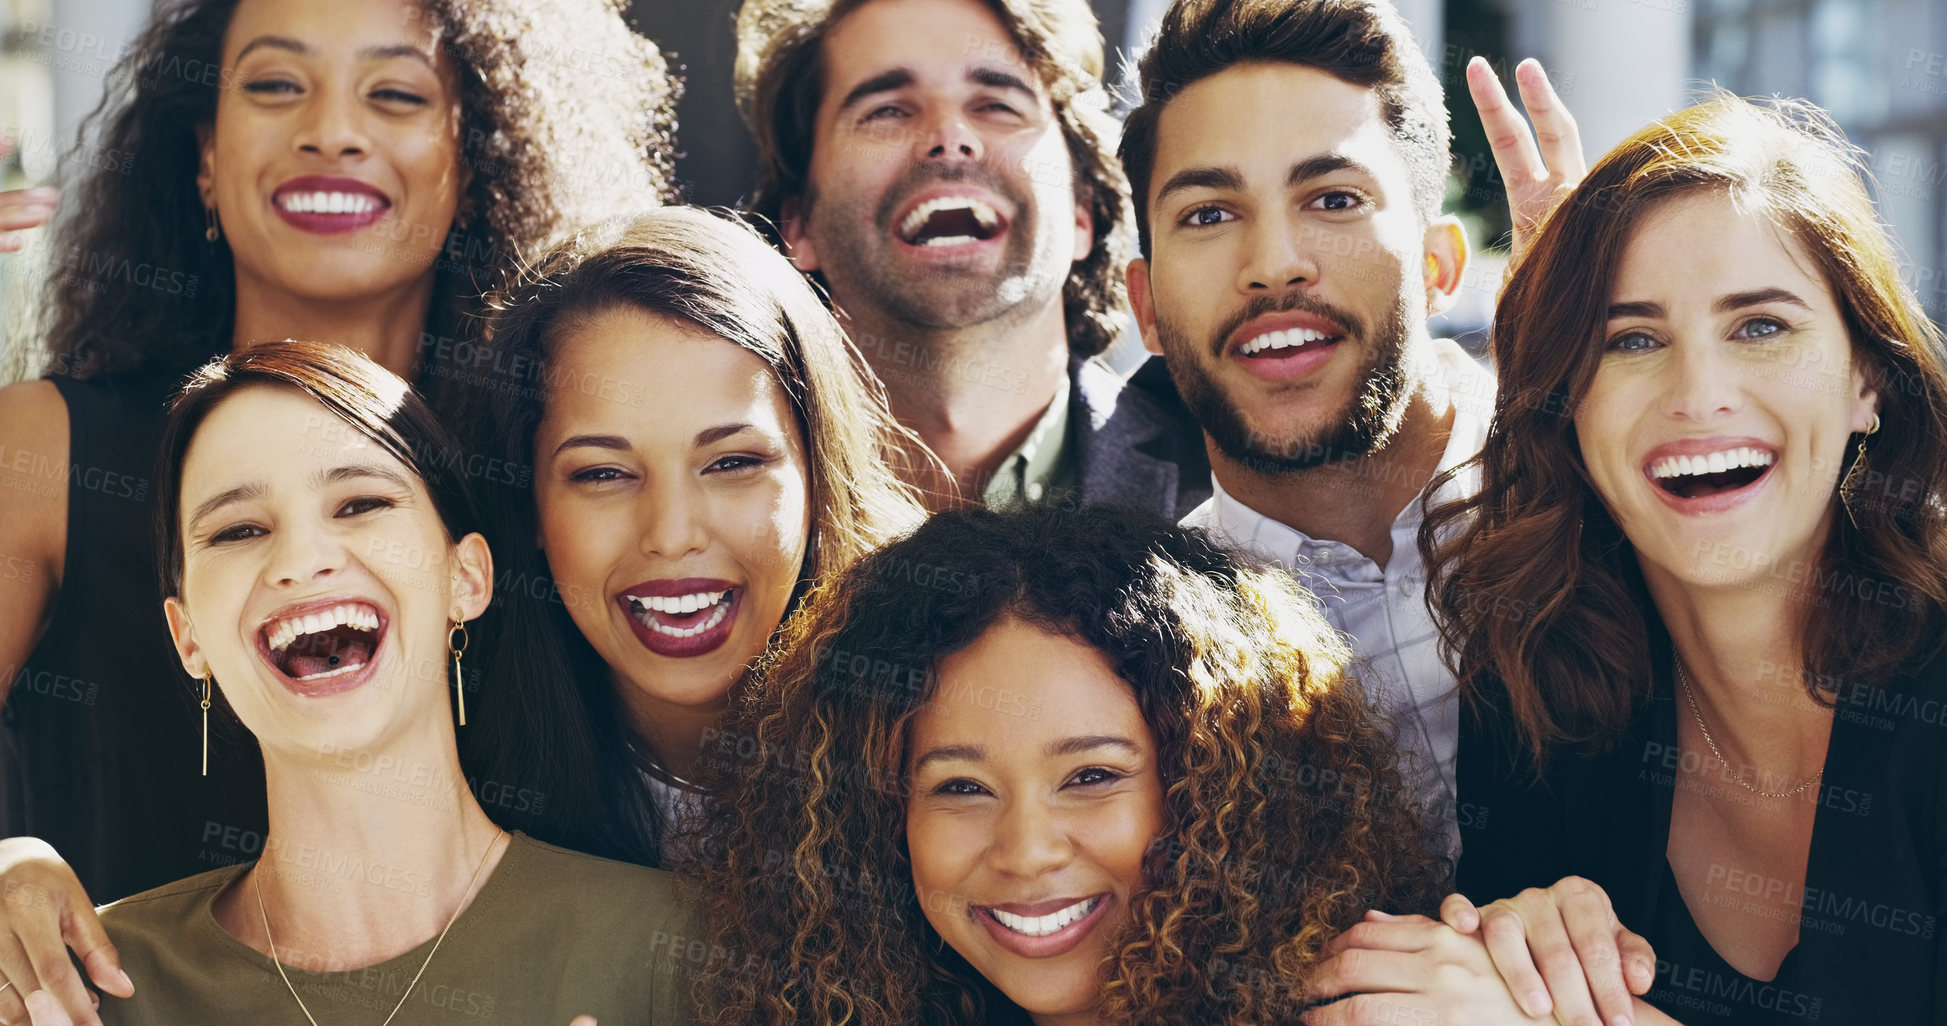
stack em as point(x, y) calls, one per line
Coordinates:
point(459, 679)
point(211, 233)
point(206, 723)
point(1849, 487)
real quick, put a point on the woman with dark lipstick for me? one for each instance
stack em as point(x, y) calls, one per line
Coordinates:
point(1711, 727)
point(353, 171)
point(705, 444)
point(1052, 766)
point(314, 568)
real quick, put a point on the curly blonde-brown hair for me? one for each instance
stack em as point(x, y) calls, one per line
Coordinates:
point(1286, 817)
point(780, 76)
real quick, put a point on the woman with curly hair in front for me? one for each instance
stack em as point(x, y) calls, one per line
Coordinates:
point(355, 172)
point(1051, 766)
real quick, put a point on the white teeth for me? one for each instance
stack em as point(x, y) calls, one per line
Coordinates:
point(1042, 926)
point(1285, 339)
point(280, 633)
point(328, 202)
point(1711, 463)
point(679, 605)
point(916, 220)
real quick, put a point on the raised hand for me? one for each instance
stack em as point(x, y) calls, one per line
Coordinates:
point(43, 912)
point(1539, 166)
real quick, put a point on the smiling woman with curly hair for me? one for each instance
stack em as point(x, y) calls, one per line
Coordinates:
point(1045, 763)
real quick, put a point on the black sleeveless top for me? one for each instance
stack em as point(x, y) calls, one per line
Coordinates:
point(106, 729)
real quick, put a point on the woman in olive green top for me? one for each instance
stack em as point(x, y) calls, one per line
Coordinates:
point(325, 582)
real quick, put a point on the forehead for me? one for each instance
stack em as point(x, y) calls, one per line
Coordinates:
point(627, 365)
point(329, 27)
point(272, 433)
point(1263, 117)
point(937, 40)
point(1018, 686)
point(1703, 245)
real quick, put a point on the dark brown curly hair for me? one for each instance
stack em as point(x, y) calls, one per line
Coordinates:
point(780, 78)
point(1531, 578)
point(1286, 817)
point(546, 150)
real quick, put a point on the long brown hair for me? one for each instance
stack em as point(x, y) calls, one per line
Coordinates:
point(561, 730)
point(780, 78)
point(1532, 580)
point(1285, 815)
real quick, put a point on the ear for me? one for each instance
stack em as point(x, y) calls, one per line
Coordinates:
point(1143, 303)
point(1445, 265)
point(188, 650)
point(797, 242)
point(1865, 405)
point(472, 583)
point(1084, 231)
point(206, 163)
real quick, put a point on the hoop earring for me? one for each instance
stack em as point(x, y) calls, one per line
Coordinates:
point(212, 232)
point(459, 679)
point(206, 723)
point(1848, 488)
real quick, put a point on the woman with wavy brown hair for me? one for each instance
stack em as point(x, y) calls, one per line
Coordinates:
point(1697, 603)
point(1051, 763)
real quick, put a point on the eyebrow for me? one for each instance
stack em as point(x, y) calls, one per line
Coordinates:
point(614, 442)
point(257, 489)
point(241, 493)
point(303, 49)
point(1724, 304)
point(1210, 177)
point(1055, 749)
point(885, 81)
point(998, 79)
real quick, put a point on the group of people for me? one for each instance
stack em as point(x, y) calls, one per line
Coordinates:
point(580, 604)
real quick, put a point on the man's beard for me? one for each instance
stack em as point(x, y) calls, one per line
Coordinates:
point(1366, 425)
point(856, 251)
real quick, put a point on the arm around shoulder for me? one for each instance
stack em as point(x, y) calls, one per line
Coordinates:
point(33, 516)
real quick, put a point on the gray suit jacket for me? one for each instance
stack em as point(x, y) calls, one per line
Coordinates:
point(1138, 445)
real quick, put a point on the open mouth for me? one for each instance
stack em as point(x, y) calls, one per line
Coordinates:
point(1044, 926)
point(682, 616)
point(1288, 342)
point(1717, 473)
point(317, 646)
point(950, 221)
point(329, 202)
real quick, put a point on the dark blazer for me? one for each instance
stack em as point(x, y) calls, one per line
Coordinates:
point(1869, 948)
point(1138, 445)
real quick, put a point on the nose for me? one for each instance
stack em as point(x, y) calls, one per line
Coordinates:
point(1278, 255)
point(946, 136)
point(672, 521)
point(1699, 384)
point(301, 553)
point(1030, 839)
point(331, 124)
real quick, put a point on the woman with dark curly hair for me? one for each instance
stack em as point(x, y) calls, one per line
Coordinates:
point(1698, 602)
point(1052, 766)
point(356, 172)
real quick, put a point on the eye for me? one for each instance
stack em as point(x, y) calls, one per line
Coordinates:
point(1001, 108)
point(1632, 342)
point(1339, 200)
point(960, 786)
point(736, 462)
point(1095, 775)
point(880, 113)
point(364, 504)
point(236, 533)
point(399, 96)
point(1760, 328)
point(271, 86)
point(598, 475)
point(1205, 216)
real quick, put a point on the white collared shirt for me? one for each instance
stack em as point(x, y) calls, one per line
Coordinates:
point(1383, 609)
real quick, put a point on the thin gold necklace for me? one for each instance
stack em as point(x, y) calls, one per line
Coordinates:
point(1691, 697)
point(257, 885)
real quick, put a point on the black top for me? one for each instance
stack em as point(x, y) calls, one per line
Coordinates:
point(107, 734)
point(1869, 947)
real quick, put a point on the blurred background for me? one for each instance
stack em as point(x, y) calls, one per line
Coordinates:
point(1880, 67)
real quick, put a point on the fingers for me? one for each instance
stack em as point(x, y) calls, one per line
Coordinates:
point(59, 983)
point(1366, 971)
point(1385, 935)
point(583, 1020)
point(1368, 1009)
point(22, 209)
point(44, 1010)
point(1559, 140)
point(1507, 134)
point(1459, 912)
point(1592, 927)
point(1638, 960)
point(83, 932)
point(1506, 935)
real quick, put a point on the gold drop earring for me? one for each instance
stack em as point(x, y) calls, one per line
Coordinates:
point(206, 722)
point(1849, 487)
point(457, 650)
